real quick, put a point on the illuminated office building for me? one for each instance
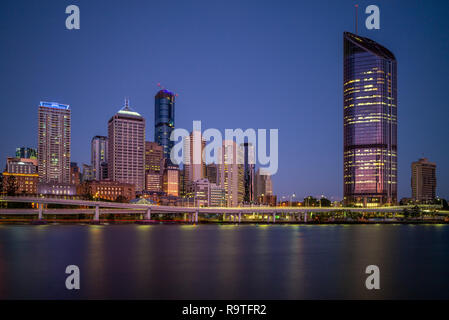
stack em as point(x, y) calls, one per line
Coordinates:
point(54, 142)
point(154, 154)
point(170, 179)
point(370, 123)
point(424, 181)
point(126, 139)
point(164, 120)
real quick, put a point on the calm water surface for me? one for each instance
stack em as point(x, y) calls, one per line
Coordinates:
point(224, 262)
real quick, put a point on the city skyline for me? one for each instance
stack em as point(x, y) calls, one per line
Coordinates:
point(302, 176)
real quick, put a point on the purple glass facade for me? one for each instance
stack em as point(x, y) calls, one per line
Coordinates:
point(370, 123)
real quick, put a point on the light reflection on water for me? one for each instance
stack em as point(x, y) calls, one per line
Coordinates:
point(224, 261)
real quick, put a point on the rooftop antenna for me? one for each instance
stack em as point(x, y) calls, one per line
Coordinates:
point(126, 103)
point(356, 26)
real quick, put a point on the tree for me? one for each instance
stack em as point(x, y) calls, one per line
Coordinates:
point(310, 201)
point(324, 202)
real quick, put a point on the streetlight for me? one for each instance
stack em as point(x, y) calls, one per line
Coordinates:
point(294, 196)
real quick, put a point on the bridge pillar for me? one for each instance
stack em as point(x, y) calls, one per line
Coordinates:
point(97, 213)
point(240, 217)
point(233, 217)
point(196, 216)
point(41, 209)
point(274, 217)
point(224, 216)
point(148, 215)
point(305, 216)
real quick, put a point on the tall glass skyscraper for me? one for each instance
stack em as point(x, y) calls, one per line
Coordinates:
point(370, 122)
point(164, 120)
point(249, 171)
point(99, 156)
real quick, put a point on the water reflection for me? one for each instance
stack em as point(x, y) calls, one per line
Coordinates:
point(224, 261)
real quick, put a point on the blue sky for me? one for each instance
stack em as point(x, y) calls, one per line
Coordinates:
point(235, 64)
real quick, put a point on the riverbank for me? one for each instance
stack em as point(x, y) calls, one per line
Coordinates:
point(181, 222)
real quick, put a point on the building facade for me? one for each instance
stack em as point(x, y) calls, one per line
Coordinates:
point(370, 123)
point(126, 148)
point(54, 142)
point(27, 153)
point(424, 180)
point(154, 154)
point(75, 174)
point(170, 179)
point(231, 176)
point(263, 185)
point(249, 172)
point(164, 120)
point(194, 165)
point(99, 157)
point(20, 176)
point(107, 190)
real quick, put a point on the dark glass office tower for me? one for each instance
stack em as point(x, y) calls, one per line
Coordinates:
point(164, 120)
point(370, 123)
point(249, 172)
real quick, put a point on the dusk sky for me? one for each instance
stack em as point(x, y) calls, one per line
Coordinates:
point(270, 64)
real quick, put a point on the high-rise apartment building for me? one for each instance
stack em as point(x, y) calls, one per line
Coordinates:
point(370, 122)
point(99, 157)
point(54, 142)
point(424, 181)
point(164, 120)
point(126, 147)
point(231, 176)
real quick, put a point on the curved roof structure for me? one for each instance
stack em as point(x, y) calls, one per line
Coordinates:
point(369, 45)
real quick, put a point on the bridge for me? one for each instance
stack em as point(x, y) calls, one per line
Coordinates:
point(99, 208)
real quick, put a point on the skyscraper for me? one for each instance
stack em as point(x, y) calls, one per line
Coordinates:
point(170, 179)
point(126, 147)
point(263, 185)
point(249, 174)
point(164, 120)
point(153, 166)
point(424, 181)
point(54, 142)
point(370, 123)
point(99, 156)
point(154, 154)
point(194, 165)
point(231, 177)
